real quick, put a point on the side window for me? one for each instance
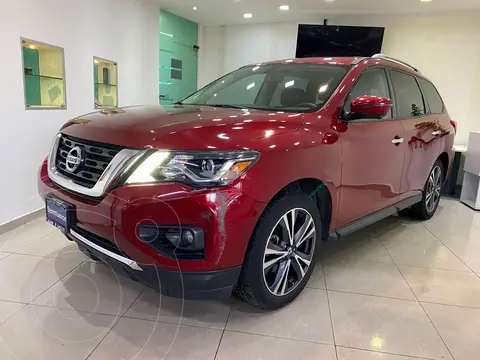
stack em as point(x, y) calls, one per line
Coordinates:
point(372, 82)
point(433, 97)
point(244, 91)
point(290, 82)
point(408, 95)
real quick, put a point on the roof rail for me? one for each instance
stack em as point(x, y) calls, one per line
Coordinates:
point(386, 57)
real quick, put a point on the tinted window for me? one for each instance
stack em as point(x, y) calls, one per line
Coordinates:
point(281, 87)
point(372, 82)
point(291, 82)
point(434, 100)
point(408, 95)
point(244, 91)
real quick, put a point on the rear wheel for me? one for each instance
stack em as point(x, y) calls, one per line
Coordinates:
point(425, 209)
point(282, 252)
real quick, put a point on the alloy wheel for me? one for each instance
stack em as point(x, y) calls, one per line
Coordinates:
point(433, 189)
point(289, 251)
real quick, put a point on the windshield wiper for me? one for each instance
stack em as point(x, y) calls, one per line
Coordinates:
point(226, 106)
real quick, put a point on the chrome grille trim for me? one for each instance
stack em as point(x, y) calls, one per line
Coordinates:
point(98, 158)
point(120, 163)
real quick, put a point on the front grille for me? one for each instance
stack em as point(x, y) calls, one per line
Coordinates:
point(98, 156)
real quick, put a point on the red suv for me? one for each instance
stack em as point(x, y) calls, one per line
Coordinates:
point(236, 186)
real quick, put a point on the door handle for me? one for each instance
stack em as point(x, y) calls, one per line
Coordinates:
point(436, 133)
point(397, 141)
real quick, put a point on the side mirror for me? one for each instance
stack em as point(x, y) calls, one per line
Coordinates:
point(370, 107)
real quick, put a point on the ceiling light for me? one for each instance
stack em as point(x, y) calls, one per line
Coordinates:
point(290, 83)
point(284, 7)
point(247, 15)
point(425, 0)
point(323, 88)
point(252, 85)
point(31, 46)
point(195, 8)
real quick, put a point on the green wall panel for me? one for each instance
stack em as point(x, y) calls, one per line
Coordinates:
point(95, 78)
point(178, 58)
point(32, 83)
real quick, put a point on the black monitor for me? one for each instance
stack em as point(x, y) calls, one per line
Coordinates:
point(331, 40)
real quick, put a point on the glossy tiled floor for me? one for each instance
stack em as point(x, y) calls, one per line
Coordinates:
point(398, 290)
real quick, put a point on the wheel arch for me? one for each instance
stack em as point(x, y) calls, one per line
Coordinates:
point(318, 192)
point(445, 162)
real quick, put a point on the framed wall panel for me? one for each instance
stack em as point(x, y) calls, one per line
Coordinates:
point(43, 75)
point(105, 77)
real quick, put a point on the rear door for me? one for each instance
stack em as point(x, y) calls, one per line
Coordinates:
point(423, 130)
point(372, 164)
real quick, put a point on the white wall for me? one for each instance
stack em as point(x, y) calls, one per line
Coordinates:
point(226, 48)
point(210, 55)
point(126, 31)
point(446, 48)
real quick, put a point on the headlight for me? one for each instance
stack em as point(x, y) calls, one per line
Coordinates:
point(213, 168)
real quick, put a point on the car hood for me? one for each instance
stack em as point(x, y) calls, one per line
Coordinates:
point(181, 127)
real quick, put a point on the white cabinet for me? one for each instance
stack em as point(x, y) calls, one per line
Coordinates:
point(471, 180)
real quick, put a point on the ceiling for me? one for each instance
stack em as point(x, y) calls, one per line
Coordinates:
point(226, 12)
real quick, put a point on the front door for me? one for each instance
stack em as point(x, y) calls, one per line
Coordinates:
point(373, 155)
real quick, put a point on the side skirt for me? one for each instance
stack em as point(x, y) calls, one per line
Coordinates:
point(374, 217)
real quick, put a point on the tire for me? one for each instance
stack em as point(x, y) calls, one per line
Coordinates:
point(425, 209)
point(271, 289)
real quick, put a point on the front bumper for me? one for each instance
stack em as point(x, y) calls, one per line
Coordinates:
point(226, 215)
point(186, 285)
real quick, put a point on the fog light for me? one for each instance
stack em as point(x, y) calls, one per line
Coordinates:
point(175, 242)
point(188, 237)
point(173, 237)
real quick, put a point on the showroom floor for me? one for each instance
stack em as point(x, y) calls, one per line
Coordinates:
point(398, 287)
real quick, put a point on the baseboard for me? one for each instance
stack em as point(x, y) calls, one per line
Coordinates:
point(22, 220)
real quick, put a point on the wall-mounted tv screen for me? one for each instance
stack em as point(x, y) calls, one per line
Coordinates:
point(330, 40)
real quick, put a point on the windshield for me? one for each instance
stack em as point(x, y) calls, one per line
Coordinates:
point(284, 87)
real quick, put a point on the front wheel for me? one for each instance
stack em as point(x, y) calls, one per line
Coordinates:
point(282, 252)
point(425, 209)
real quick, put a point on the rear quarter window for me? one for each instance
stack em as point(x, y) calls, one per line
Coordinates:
point(408, 96)
point(432, 96)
